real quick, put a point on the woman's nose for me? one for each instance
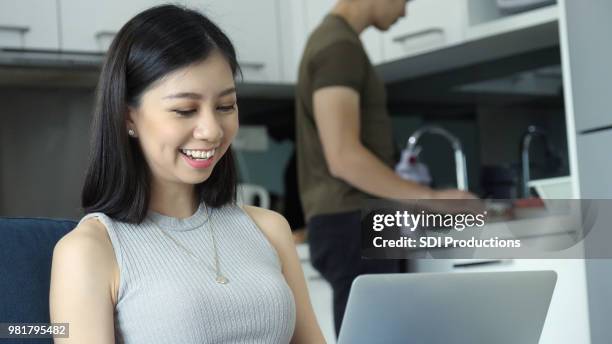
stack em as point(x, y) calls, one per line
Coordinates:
point(208, 127)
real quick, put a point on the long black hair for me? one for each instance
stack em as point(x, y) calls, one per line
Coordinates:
point(154, 43)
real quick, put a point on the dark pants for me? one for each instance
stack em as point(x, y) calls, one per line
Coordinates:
point(335, 251)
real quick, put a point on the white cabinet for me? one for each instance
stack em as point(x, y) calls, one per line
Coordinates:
point(29, 24)
point(485, 19)
point(428, 25)
point(316, 10)
point(299, 18)
point(595, 164)
point(252, 26)
point(586, 61)
point(90, 26)
point(293, 36)
point(585, 53)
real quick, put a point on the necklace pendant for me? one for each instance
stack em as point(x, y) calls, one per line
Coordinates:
point(222, 280)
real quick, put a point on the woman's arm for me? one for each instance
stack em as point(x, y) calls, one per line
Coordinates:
point(277, 230)
point(83, 276)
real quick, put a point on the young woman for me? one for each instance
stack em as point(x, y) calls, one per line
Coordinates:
point(164, 254)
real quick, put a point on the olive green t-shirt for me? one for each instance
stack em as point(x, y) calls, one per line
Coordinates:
point(334, 56)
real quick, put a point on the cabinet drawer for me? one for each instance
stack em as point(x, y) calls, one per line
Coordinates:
point(428, 25)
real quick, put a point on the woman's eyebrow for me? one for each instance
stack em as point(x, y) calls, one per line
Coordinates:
point(227, 91)
point(190, 95)
point(198, 96)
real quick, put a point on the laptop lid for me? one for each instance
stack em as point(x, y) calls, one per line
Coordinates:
point(443, 308)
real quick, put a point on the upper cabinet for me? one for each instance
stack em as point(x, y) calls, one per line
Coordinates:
point(299, 18)
point(90, 26)
point(252, 26)
point(270, 35)
point(587, 52)
point(316, 10)
point(487, 18)
point(29, 24)
point(428, 25)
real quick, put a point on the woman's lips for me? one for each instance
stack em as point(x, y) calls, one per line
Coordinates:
point(199, 163)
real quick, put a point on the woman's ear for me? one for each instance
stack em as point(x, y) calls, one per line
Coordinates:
point(130, 124)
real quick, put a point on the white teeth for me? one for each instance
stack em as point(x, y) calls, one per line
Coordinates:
point(198, 154)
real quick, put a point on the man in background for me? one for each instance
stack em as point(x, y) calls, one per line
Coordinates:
point(344, 143)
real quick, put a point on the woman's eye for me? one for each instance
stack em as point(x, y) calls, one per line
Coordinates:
point(227, 108)
point(184, 112)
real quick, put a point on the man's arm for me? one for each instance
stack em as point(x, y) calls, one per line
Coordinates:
point(337, 115)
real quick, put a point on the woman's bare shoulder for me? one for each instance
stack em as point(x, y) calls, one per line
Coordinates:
point(266, 217)
point(89, 237)
point(81, 291)
point(87, 252)
point(274, 226)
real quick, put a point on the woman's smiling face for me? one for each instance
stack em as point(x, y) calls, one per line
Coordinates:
point(186, 121)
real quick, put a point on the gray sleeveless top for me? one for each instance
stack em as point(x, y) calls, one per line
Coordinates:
point(166, 296)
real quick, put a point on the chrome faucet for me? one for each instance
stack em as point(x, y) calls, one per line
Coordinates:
point(460, 165)
point(532, 131)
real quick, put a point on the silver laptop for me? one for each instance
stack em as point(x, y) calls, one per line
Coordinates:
point(445, 308)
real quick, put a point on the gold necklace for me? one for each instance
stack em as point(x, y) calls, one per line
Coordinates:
point(220, 278)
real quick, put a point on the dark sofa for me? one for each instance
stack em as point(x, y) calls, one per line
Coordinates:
point(26, 249)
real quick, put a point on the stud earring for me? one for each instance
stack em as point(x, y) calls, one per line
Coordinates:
point(131, 132)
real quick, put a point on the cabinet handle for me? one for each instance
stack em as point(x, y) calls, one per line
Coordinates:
point(104, 33)
point(479, 263)
point(252, 65)
point(21, 29)
point(402, 38)
point(100, 35)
